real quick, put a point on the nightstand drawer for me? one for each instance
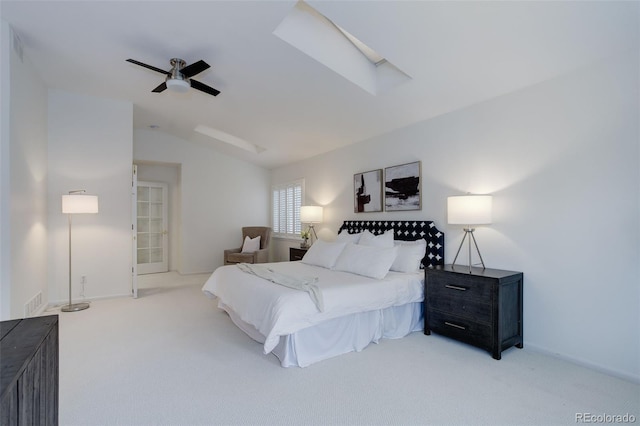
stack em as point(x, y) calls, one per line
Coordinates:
point(460, 328)
point(463, 307)
point(454, 286)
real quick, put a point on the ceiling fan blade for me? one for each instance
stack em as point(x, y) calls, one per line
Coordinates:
point(204, 88)
point(195, 68)
point(160, 88)
point(152, 68)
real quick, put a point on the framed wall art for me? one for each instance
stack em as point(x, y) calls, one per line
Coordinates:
point(367, 191)
point(402, 187)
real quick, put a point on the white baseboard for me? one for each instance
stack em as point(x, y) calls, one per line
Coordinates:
point(58, 303)
point(605, 370)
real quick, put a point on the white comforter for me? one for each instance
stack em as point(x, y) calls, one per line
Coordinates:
point(277, 311)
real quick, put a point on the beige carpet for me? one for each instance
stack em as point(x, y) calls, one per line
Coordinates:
point(171, 357)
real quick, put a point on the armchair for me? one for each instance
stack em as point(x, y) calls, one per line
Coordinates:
point(235, 255)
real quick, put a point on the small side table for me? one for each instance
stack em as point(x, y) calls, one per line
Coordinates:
point(296, 253)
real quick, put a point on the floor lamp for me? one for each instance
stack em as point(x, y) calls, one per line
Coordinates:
point(74, 203)
point(469, 210)
point(311, 215)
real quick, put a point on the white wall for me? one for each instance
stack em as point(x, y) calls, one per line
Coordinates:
point(562, 161)
point(24, 182)
point(220, 195)
point(90, 148)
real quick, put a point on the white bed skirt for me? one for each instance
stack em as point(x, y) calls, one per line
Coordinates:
point(340, 335)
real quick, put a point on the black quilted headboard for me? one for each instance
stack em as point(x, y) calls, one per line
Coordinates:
point(407, 230)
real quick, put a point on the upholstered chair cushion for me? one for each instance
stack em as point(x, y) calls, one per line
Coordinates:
point(235, 255)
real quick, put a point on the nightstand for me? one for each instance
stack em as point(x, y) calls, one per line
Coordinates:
point(482, 308)
point(296, 253)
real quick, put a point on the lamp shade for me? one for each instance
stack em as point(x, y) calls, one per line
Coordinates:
point(469, 210)
point(310, 214)
point(79, 203)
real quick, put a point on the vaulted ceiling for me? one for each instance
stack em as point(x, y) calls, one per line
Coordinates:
point(290, 104)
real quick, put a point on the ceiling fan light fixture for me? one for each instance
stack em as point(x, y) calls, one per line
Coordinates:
point(178, 85)
point(178, 78)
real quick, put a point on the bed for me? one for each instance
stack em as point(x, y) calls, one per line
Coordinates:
point(366, 286)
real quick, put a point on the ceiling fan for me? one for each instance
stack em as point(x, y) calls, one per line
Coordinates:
point(179, 76)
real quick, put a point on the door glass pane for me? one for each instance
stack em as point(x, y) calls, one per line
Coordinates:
point(143, 256)
point(155, 240)
point(155, 195)
point(143, 240)
point(155, 225)
point(155, 210)
point(151, 236)
point(143, 193)
point(143, 209)
point(143, 225)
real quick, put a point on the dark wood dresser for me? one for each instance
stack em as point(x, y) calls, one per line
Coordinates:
point(482, 308)
point(29, 371)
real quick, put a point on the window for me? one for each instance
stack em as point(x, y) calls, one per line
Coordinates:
point(287, 199)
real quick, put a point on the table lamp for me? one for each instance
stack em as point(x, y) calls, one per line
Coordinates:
point(311, 215)
point(469, 210)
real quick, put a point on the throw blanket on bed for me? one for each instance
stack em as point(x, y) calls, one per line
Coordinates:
point(297, 283)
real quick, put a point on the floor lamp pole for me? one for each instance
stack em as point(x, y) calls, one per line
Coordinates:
point(78, 306)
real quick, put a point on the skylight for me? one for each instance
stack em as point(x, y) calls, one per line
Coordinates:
point(319, 37)
point(227, 138)
point(374, 57)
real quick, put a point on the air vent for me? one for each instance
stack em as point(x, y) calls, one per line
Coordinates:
point(33, 305)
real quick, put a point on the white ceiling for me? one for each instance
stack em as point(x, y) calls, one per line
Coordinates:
point(274, 96)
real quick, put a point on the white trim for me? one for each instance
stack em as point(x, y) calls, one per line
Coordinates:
point(582, 363)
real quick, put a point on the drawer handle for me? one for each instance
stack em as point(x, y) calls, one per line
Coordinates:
point(450, 324)
point(455, 287)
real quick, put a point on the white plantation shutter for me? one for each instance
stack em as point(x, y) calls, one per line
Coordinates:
point(287, 199)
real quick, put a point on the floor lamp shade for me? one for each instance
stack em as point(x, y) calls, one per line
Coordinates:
point(74, 203)
point(469, 210)
point(79, 203)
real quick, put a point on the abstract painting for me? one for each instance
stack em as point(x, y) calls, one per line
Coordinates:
point(367, 191)
point(402, 187)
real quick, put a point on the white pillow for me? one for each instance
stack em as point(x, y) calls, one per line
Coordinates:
point(345, 237)
point(410, 254)
point(373, 262)
point(323, 253)
point(251, 245)
point(383, 240)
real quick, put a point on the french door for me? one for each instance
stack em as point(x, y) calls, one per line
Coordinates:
point(151, 219)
